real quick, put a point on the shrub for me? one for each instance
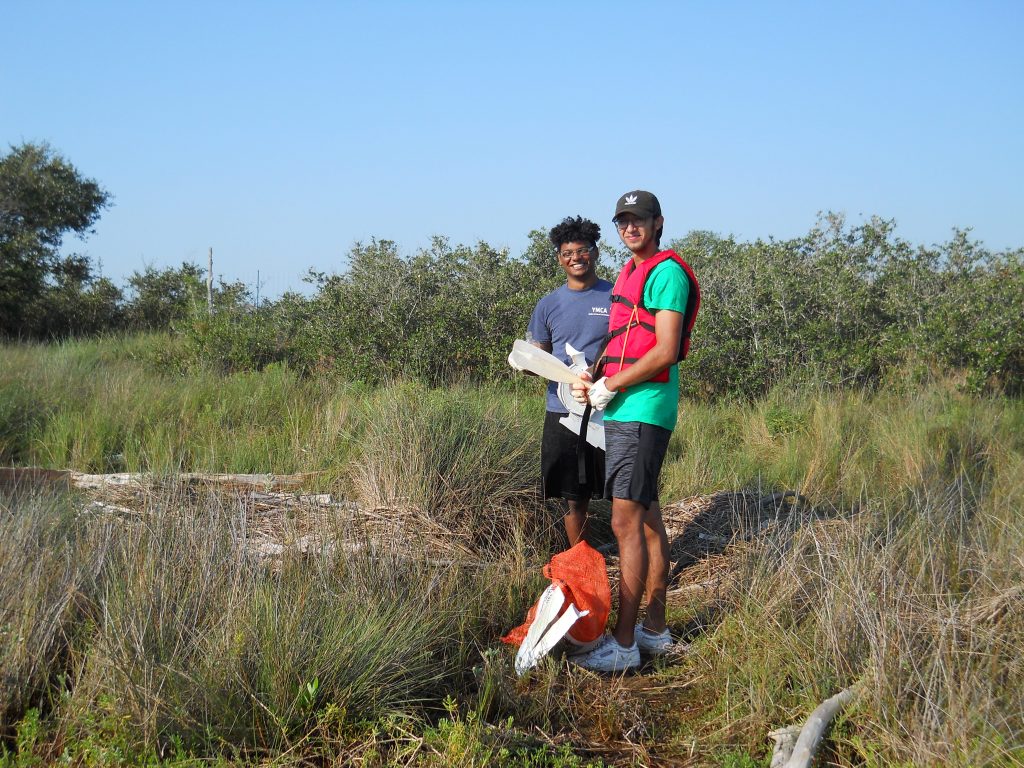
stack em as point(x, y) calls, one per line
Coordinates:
point(845, 305)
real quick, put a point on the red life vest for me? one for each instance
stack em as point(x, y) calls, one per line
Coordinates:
point(631, 324)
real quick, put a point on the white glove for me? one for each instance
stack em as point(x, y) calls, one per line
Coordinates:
point(513, 363)
point(600, 395)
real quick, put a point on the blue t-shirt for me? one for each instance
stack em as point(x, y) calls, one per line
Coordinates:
point(577, 317)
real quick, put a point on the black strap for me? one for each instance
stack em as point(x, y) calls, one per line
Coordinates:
point(623, 328)
point(620, 299)
point(581, 448)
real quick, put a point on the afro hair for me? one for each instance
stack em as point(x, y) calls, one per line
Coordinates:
point(575, 230)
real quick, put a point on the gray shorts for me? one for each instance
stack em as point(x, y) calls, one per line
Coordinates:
point(634, 454)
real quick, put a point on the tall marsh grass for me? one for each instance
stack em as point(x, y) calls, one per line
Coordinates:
point(48, 573)
point(173, 626)
point(199, 639)
point(842, 447)
point(99, 410)
point(459, 463)
point(899, 573)
point(919, 604)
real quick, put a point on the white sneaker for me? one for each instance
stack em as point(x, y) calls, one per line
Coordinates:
point(609, 656)
point(652, 643)
point(574, 647)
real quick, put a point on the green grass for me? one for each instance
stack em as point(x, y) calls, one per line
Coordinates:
point(162, 638)
point(170, 627)
point(98, 407)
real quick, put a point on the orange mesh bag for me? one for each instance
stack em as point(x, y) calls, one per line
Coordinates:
point(581, 575)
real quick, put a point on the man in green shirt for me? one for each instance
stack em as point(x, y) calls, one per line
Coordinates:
point(640, 392)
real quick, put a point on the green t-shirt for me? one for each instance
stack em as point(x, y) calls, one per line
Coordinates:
point(667, 287)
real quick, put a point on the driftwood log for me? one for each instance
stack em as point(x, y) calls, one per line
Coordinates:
point(27, 478)
point(795, 748)
point(265, 482)
point(34, 477)
point(785, 740)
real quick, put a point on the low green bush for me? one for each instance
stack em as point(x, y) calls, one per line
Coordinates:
point(851, 306)
point(845, 305)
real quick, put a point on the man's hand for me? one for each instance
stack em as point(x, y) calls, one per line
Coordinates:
point(600, 395)
point(597, 394)
point(579, 391)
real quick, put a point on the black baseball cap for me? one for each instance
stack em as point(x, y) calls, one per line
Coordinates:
point(641, 204)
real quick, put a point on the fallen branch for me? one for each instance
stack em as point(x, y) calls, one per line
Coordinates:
point(264, 482)
point(30, 478)
point(785, 740)
point(801, 753)
point(35, 477)
point(697, 586)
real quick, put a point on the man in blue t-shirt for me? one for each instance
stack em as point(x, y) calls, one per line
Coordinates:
point(576, 313)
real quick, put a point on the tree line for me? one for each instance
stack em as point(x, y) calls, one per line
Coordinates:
point(46, 295)
point(844, 305)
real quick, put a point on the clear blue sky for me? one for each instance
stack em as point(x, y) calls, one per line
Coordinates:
point(281, 133)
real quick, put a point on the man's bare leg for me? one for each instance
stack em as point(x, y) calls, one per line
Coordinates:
point(576, 520)
point(657, 567)
point(628, 526)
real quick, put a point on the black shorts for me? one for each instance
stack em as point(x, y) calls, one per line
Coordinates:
point(559, 468)
point(636, 452)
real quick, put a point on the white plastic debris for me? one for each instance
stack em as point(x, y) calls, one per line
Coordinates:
point(547, 628)
point(574, 420)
